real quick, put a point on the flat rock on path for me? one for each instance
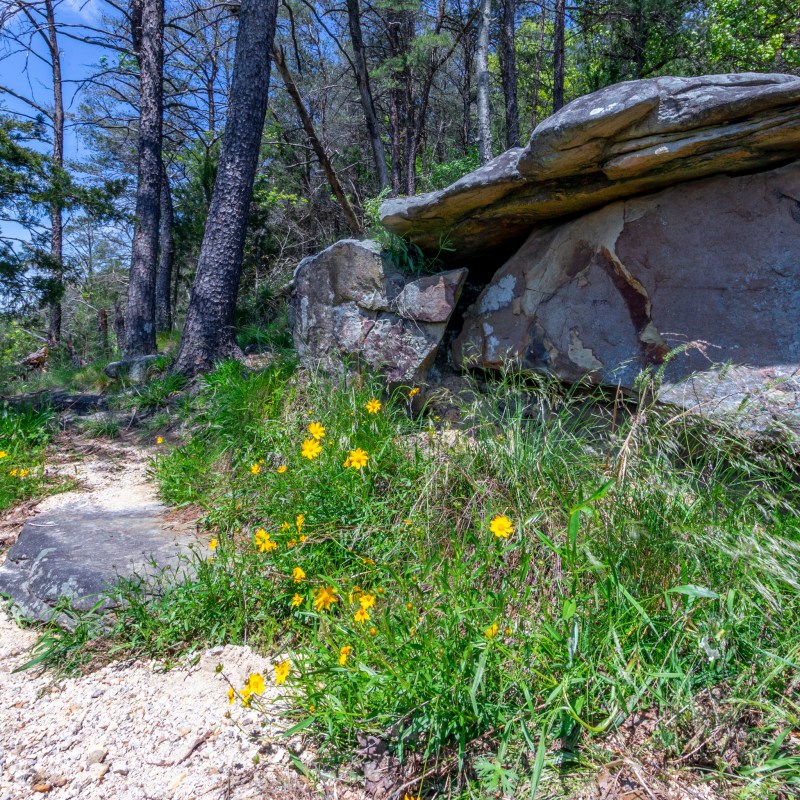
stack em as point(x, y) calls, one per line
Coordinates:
point(81, 542)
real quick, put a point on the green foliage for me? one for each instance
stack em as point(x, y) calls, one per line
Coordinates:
point(649, 560)
point(24, 434)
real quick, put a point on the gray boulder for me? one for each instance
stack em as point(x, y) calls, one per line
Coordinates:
point(711, 266)
point(350, 304)
point(622, 141)
point(134, 370)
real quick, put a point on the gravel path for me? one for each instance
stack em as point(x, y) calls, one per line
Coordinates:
point(130, 730)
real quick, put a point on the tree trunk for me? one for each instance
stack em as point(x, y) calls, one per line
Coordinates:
point(316, 144)
point(140, 329)
point(508, 68)
point(482, 81)
point(166, 256)
point(208, 334)
point(119, 325)
point(56, 218)
point(362, 76)
point(538, 71)
point(558, 57)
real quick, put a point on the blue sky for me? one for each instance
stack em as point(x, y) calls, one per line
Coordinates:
point(27, 75)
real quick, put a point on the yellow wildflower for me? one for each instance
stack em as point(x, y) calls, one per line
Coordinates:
point(325, 597)
point(3, 454)
point(508, 631)
point(255, 684)
point(282, 672)
point(212, 545)
point(409, 606)
point(297, 600)
point(255, 469)
point(299, 521)
point(374, 406)
point(302, 537)
point(373, 630)
point(291, 543)
point(21, 472)
point(316, 430)
point(344, 653)
point(160, 440)
point(231, 695)
point(13, 472)
point(491, 631)
point(311, 449)
point(263, 541)
point(285, 526)
point(362, 615)
point(414, 391)
point(281, 469)
point(367, 601)
point(357, 459)
point(312, 708)
point(298, 574)
point(501, 527)
point(408, 523)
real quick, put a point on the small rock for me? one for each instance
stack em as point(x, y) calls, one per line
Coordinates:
point(42, 788)
point(96, 771)
point(96, 755)
point(120, 768)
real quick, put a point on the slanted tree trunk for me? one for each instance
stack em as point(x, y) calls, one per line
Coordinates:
point(558, 57)
point(482, 81)
point(140, 328)
point(367, 103)
point(508, 71)
point(166, 256)
point(319, 150)
point(56, 218)
point(208, 334)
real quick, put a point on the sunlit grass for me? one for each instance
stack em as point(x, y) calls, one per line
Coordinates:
point(495, 599)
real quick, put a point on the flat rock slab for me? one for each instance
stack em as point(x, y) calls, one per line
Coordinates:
point(79, 550)
point(622, 141)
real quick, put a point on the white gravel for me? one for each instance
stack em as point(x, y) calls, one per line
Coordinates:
point(133, 731)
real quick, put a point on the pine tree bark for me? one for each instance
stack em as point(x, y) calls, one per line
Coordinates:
point(365, 91)
point(208, 335)
point(166, 256)
point(558, 57)
point(316, 143)
point(508, 71)
point(482, 82)
point(56, 217)
point(140, 328)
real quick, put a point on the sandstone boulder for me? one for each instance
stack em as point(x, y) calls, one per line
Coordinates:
point(622, 141)
point(712, 265)
point(350, 303)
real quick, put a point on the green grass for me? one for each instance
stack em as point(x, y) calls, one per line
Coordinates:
point(653, 563)
point(24, 435)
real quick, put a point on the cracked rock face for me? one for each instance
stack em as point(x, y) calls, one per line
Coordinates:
point(713, 264)
point(350, 304)
point(622, 141)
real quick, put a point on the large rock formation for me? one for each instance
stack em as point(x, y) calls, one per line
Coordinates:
point(657, 224)
point(351, 304)
point(624, 140)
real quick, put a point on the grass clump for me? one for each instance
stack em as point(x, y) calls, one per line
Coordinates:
point(498, 600)
point(24, 435)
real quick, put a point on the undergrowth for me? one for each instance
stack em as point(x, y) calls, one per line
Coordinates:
point(24, 434)
point(492, 602)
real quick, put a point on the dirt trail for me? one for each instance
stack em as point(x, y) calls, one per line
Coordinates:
point(132, 731)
